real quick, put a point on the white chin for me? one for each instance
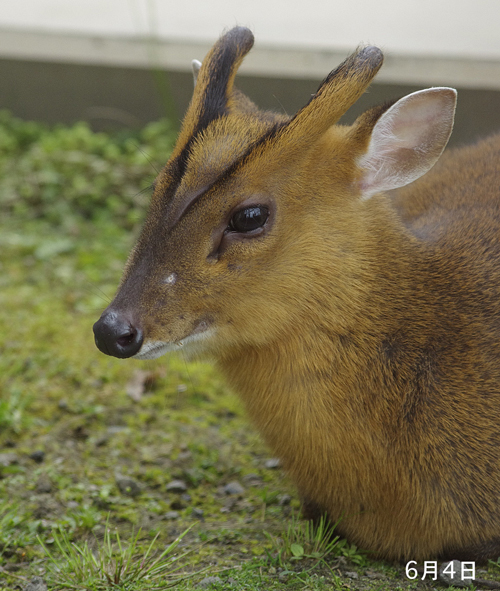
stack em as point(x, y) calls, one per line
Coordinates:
point(192, 343)
point(155, 349)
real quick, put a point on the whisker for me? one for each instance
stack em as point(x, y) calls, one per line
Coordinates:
point(150, 187)
point(188, 372)
point(280, 104)
point(147, 157)
point(102, 295)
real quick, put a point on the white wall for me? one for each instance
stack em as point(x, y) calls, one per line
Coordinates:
point(444, 27)
point(435, 41)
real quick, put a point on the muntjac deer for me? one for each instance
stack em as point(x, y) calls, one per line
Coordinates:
point(361, 329)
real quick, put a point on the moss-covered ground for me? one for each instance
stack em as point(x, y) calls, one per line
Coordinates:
point(101, 459)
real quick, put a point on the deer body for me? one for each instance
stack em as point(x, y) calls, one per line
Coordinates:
point(395, 415)
point(360, 329)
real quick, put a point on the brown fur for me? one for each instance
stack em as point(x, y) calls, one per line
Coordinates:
point(362, 336)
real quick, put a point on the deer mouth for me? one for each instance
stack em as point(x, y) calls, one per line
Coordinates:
point(195, 342)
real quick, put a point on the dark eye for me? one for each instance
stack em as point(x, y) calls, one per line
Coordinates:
point(249, 218)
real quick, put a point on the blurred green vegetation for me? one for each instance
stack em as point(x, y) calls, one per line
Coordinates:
point(67, 174)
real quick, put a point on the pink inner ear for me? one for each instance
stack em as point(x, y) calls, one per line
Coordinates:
point(420, 118)
point(407, 140)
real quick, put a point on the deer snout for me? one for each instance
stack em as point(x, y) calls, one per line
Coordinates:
point(117, 334)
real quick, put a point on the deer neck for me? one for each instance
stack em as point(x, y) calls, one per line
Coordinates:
point(323, 376)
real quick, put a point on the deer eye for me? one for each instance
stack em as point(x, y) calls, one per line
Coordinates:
point(248, 219)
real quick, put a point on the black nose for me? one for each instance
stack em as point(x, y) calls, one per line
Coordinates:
point(115, 334)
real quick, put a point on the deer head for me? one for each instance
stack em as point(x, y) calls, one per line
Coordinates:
point(253, 208)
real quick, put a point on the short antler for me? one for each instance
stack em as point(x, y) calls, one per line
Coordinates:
point(336, 94)
point(214, 83)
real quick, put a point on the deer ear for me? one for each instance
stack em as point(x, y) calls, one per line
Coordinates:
point(407, 140)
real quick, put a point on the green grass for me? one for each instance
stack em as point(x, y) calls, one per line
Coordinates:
point(114, 564)
point(12, 411)
point(17, 530)
point(306, 539)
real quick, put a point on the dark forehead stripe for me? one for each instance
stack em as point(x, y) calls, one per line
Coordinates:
point(192, 198)
point(220, 69)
